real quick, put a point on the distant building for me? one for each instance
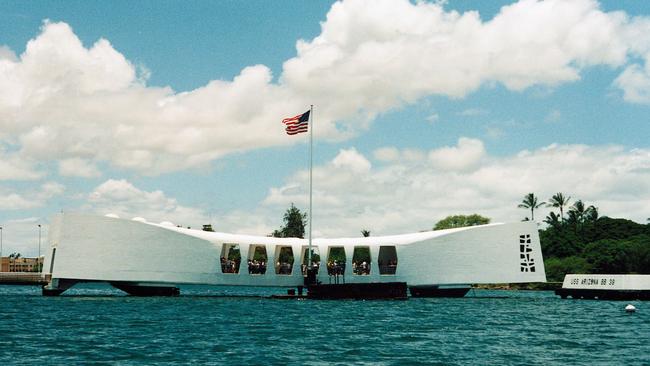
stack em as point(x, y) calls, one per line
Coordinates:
point(21, 264)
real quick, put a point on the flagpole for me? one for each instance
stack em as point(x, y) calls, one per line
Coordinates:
point(311, 163)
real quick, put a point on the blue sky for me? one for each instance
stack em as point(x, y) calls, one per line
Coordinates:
point(421, 111)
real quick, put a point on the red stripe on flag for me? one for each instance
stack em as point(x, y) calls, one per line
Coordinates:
point(296, 130)
point(292, 119)
point(293, 128)
point(298, 125)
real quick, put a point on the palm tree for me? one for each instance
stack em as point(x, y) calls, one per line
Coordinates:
point(591, 214)
point(13, 257)
point(530, 202)
point(580, 211)
point(558, 200)
point(365, 233)
point(553, 220)
point(573, 220)
point(584, 213)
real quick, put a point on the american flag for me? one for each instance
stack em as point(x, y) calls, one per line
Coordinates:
point(297, 124)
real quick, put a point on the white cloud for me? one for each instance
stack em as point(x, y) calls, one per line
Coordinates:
point(412, 155)
point(77, 167)
point(14, 201)
point(16, 167)
point(351, 159)
point(386, 154)
point(52, 189)
point(122, 198)
point(7, 54)
point(635, 83)
point(26, 220)
point(11, 200)
point(352, 169)
point(383, 53)
point(466, 155)
point(405, 196)
point(61, 101)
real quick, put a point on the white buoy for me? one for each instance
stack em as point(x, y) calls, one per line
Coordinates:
point(630, 308)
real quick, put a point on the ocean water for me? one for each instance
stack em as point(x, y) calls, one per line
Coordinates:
point(95, 324)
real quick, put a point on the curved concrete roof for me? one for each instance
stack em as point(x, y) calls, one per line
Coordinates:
point(374, 240)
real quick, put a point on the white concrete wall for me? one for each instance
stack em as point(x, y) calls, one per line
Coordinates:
point(487, 254)
point(109, 249)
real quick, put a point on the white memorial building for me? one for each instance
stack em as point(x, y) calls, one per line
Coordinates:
point(135, 254)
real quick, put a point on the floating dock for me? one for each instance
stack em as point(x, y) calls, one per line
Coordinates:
point(439, 290)
point(605, 287)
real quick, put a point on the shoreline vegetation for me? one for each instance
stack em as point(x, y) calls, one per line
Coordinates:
point(575, 239)
point(585, 243)
point(602, 246)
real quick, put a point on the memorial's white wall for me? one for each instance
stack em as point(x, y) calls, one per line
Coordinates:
point(110, 249)
point(484, 254)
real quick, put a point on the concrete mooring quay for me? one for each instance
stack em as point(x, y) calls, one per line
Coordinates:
point(24, 278)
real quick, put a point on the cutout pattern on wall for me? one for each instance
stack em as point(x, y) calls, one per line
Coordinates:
point(527, 260)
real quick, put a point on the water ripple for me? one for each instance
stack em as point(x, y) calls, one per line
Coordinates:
point(100, 325)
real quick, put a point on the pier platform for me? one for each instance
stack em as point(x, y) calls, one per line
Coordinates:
point(24, 278)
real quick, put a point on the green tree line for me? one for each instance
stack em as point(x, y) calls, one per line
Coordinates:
point(584, 242)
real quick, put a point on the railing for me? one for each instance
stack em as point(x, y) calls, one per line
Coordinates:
point(24, 278)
